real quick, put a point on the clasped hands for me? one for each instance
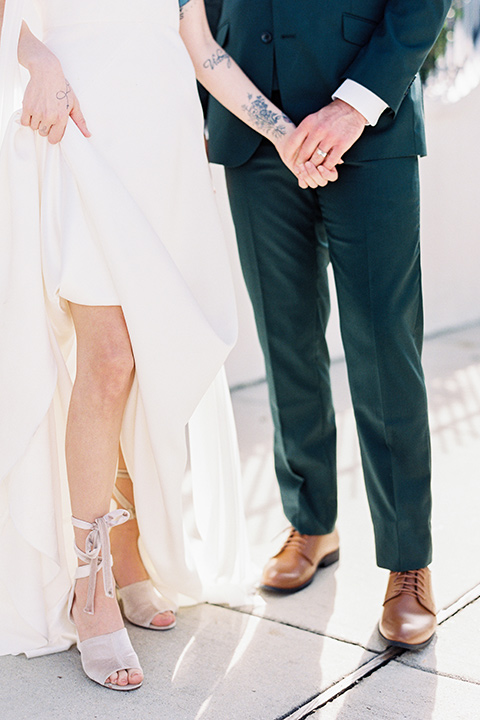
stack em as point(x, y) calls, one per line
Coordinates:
point(315, 148)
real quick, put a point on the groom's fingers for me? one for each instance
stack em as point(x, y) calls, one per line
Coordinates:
point(330, 174)
point(334, 156)
point(310, 177)
point(314, 176)
point(333, 129)
point(320, 173)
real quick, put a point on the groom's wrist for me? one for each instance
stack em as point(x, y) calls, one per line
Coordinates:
point(359, 97)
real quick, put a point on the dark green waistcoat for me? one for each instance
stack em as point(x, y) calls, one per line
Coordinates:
point(315, 45)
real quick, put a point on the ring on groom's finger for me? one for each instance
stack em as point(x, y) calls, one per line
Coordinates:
point(321, 153)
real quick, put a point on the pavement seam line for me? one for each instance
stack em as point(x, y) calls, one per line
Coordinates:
point(371, 666)
point(303, 629)
point(340, 687)
point(429, 671)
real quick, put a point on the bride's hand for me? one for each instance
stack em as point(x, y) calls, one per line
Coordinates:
point(49, 100)
point(308, 174)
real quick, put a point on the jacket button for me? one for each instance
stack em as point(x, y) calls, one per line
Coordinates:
point(266, 37)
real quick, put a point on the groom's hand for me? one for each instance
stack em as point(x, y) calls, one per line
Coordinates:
point(332, 130)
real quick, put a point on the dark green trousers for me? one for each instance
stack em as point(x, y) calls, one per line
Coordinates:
point(367, 225)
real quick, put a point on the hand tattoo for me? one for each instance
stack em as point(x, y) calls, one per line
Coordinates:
point(217, 58)
point(264, 119)
point(61, 95)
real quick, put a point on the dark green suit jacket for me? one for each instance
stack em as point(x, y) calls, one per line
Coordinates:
point(315, 45)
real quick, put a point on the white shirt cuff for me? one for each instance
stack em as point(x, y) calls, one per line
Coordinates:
point(362, 99)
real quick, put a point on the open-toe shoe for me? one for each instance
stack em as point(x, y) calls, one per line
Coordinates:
point(106, 654)
point(141, 601)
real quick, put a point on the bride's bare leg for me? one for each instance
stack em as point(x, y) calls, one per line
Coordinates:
point(104, 377)
point(128, 566)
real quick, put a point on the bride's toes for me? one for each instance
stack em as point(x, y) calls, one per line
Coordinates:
point(113, 679)
point(122, 678)
point(135, 677)
point(164, 619)
point(126, 677)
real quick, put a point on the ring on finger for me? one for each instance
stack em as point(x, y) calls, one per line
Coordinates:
point(321, 152)
point(43, 130)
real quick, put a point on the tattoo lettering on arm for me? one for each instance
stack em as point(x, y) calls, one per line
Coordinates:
point(185, 6)
point(266, 120)
point(218, 57)
point(63, 94)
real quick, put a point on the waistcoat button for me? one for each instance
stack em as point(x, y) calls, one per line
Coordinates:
point(266, 37)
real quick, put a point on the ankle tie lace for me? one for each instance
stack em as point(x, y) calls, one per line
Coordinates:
point(98, 542)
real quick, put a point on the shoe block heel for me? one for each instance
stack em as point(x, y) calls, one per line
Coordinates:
point(329, 559)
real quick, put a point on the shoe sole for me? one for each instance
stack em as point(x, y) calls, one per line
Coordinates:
point(152, 627)
point(329, 559)
point(407, 646)
point(120, 688)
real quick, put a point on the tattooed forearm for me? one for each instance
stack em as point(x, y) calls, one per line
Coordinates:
point(266, 120)
point(63, 94)
point(185, 7)
point(218, 57)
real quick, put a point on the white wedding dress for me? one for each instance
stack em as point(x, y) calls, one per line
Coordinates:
point(126, 217)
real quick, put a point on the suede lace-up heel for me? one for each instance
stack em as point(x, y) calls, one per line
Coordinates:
point(112, 652)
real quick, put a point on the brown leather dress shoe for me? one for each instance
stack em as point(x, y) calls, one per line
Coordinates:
point(295, 565)
point(409, 616)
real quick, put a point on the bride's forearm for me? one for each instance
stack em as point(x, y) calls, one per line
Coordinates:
point(222, 77)
point(33, 54)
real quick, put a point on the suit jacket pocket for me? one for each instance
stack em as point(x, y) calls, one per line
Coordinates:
point(357, 30)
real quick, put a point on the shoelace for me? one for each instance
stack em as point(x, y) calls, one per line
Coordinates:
point(297, 541)
point(410, 582)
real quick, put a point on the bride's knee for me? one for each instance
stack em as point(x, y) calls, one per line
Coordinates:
point(109, 370)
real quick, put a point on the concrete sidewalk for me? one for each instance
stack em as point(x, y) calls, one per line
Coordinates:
point(316, 653)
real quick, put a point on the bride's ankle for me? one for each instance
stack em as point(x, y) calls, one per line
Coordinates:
point(128, 565)
point(94, 586)
point(106, 618)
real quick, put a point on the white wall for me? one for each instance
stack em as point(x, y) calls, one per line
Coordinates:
point(450, 235)
point(451, 213)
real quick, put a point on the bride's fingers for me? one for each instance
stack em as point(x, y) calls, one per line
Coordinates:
point(77, 117)
point(44, 129)
point(57, 131)
point(26, 118)
point(32, 120)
